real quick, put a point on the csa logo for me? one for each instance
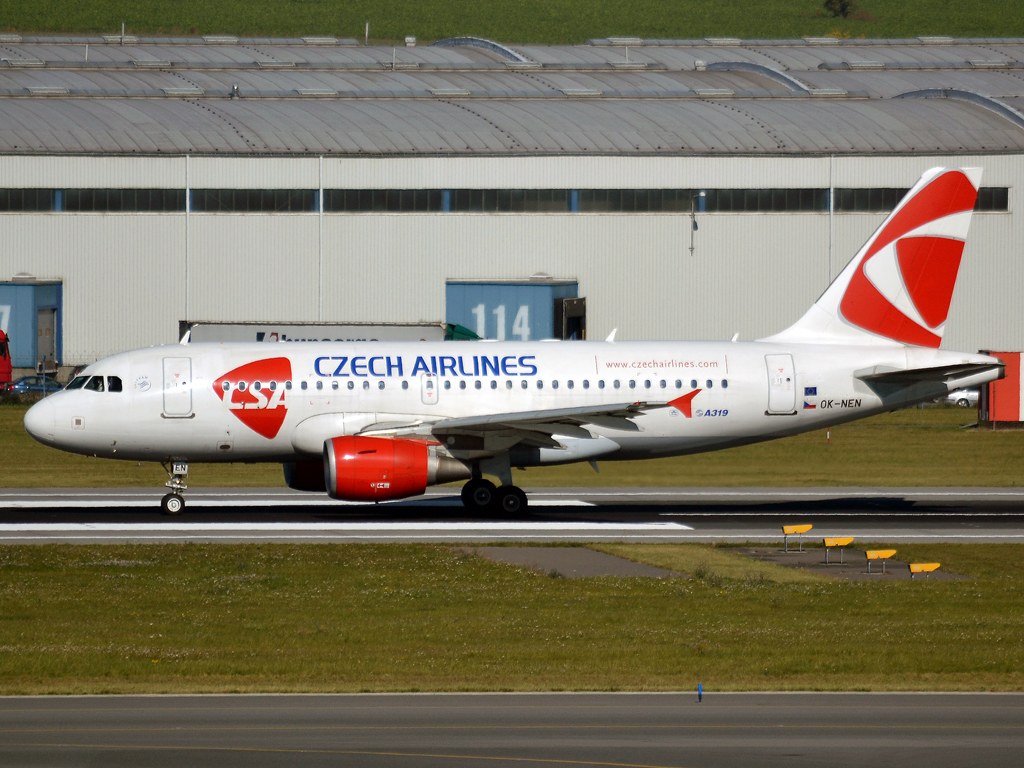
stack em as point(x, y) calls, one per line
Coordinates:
point(249, 395)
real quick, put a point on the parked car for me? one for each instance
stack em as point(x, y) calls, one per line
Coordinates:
point(965, 398)
point(35, 385)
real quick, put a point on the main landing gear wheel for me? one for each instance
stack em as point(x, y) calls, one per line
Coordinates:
point(512, 500)
point(479, 495)
point(172, 504)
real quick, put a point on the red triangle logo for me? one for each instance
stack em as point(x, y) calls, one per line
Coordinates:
point(929, 266)
point(261, 408)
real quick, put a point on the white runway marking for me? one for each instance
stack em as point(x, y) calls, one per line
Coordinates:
point(384, 528)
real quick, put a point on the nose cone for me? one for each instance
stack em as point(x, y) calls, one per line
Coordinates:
point(39, 421)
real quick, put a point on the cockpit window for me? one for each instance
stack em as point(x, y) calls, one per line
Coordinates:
point(78, 382)
point(113, 383)
point(95, 384)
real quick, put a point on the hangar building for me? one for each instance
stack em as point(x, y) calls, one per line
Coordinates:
point(149, 184)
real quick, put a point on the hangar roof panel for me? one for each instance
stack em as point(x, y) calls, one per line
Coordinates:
point(470, 96)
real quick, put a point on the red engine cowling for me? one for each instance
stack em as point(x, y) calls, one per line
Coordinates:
point(305, 476)
point(360, 468)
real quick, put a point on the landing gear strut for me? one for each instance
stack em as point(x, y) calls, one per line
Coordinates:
point(482, 496)
point(174, 503)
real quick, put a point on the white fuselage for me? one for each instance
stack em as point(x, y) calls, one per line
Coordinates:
point(199, 402)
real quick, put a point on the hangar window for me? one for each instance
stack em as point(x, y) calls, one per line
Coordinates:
point(27, 199)
point(393, 200)
point(884, 199)
point(713, 201)
point(253, 200)
point(993, 199)
point(124, 200)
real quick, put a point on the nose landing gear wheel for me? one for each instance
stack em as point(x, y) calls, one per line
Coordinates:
point(478, 495)
point(172, 504)
point(512, 500)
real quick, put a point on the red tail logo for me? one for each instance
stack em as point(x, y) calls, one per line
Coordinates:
point(903, 286)
point(255, 393)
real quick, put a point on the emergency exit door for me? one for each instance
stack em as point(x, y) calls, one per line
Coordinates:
point(177, 387)
point(781, 384)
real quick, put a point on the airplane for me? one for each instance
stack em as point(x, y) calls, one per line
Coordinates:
point(376, 421)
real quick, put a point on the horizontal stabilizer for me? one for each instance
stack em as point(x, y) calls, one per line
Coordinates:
point(943, 373)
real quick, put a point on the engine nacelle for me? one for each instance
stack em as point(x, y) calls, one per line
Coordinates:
point(358, 468)
point(305, 476)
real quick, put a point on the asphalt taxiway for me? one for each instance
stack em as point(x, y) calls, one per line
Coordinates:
point(734, 515)
point(584, 729)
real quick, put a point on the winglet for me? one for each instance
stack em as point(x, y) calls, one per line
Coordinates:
point(685, 403)
point(611, 336)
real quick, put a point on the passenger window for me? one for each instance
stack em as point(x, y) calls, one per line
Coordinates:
point(226, 386)
point(540, 384)
point(525, 384)
point(632, 384)
point(241, 386)
point(380, 384)
point(508, 385)
point(569, 384)
point(288, 386)
point(113, 383)
point(663, 384)
point(462, 385)
point(647, 384)
point(303, 386)
point(258, 386)
point(710, 383)
point(616, 384)
point(95, 384)
point(679, 384)
point(447, 384)
point(725, 383)
point(334, 385)
point(319, 385)
point(600, 383)
point(366, 385)
point(79, 382)
point(477, 384)
point(554, 384)
point(693, 384)
point(586, 384)
point(405, 385)
point(273, 386)
point(351, 385)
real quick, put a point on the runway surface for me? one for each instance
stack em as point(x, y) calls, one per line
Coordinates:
point(556, 514)
point(726, 730)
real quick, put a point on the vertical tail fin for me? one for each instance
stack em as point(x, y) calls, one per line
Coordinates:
point(899, 285)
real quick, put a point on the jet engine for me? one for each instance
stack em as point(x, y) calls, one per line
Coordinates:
point(358, 468)
point(305, 476)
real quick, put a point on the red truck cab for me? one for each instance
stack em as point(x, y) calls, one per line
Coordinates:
point(6, 369)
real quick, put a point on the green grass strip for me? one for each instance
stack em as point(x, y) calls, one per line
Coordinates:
point(176, 618)
point(540, 21)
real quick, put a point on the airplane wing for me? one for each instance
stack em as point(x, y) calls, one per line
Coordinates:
point(499, 431)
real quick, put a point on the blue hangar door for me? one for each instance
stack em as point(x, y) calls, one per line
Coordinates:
point(517, 310)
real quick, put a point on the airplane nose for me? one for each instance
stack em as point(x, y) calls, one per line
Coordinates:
point(40, 420)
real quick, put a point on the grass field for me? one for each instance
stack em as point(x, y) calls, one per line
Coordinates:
point(172, 618)
point(919, 447)
point(542, 21)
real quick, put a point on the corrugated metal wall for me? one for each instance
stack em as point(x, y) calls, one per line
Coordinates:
point(125, 274)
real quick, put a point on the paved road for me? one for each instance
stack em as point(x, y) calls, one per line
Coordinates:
point(727, 730)
point(556, 514)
